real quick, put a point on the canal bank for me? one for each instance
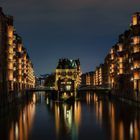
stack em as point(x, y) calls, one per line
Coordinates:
point(126, 99)
point(131, 99)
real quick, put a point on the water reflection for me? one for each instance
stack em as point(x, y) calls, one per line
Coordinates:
point(122, 120)
point(93, 116)
point(17, 124)
point(117, 120)
point(67, 118)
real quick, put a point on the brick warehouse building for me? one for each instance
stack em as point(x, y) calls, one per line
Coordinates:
point(16, 68)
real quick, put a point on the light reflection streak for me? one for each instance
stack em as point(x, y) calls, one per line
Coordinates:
point(121, 131)
point(21, 128)
point(68, 118)
point(131, 130)
point(57, 118)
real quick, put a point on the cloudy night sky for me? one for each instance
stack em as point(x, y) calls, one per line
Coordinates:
point(85, 29)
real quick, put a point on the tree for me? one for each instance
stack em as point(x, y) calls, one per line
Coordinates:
point(50, 80)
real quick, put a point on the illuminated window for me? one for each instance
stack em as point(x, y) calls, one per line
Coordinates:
point(136, 49)
point(10, 56)
point(10, 41)
point(120, 71)
point(10, 65)
point(19, 48)
point(68, 87)
point(111, 51)
point(136, 75)
point(121, 65)
point(10, 76)
point(10, 31)
point(136, 65)
point(112, 56)
point(120, 59)
point(112, 65)
point(120, 47)
point(136, 40)
point(10, 50)
point(135, 20)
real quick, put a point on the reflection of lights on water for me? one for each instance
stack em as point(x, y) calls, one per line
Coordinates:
point(77, 113)
point(51, 104)
point(99, 111)
point(34, 98)
point(112, 120)
point(136, 130)
point(47, 101)
point(24, 116)
point(131, 130)
point(65, 111)
point(67, 114)
point(121, 131)
point(16, 131)
point(95, 97)
point(57, 118)
point(72, 93)
point(20, 129)
point(110, 108)
point(88, 98)
point(69, 117)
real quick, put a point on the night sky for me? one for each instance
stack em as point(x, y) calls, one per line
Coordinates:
point(85, 29)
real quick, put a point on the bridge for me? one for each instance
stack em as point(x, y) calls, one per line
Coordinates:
point(47, 89)
point(94, 88)
point(82, 88)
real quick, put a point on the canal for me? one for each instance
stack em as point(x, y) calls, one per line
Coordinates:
point(93, 116)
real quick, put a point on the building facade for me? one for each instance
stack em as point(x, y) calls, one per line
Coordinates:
point(121, 69)
point(97, 78)
point(16, 68)
point(87, 79)
point(123, 62)
point(67, 75)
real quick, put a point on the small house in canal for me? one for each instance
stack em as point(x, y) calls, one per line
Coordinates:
point(67, 77)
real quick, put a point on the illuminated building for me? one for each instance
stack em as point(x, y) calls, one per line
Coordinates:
point(67, 75)
point(95, 78)
point(87, 79)
point(123, 62)
point(121, 69)
point(99, 77)
point(135, 54)
point(16, 69)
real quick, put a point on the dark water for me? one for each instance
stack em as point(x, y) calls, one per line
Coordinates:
point(94, 117)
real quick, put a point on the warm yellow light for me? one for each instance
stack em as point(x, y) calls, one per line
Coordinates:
point(10, 76)
point(135, 20)
point(120, 71)
point(136, 40)
point(120, 47)
point(120, 59)
point(10, 31)
point(10, 65)
point(136, 65)
point(136, 75)
point(121, 66)
point(136, 49)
